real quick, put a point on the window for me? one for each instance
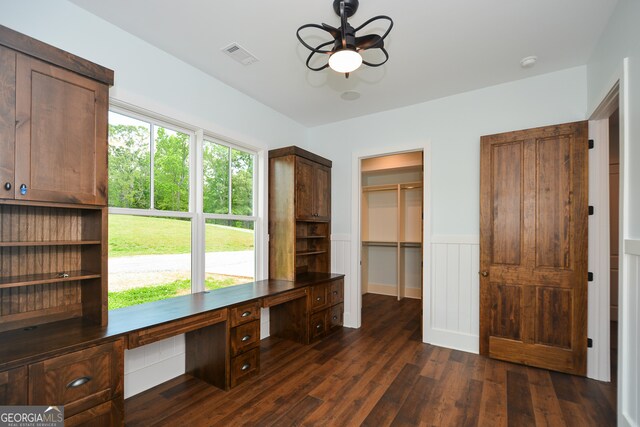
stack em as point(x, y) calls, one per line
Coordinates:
point(153, 211)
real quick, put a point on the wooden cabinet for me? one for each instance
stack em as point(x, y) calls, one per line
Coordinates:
point(53, 131)
point(299, 213)
point(313, 190)
point(325, 308)
point(53, 184)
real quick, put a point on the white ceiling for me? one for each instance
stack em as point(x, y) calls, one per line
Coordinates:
point(437, 47)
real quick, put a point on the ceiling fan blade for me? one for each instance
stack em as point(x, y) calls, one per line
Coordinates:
point(370, 41)
point(335, 33)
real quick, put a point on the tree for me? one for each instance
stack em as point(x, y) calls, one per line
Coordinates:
point(129, 166)
point(171, 167)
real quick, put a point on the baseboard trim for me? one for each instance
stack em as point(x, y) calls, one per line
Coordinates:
point(453, 339)
point(390, 290)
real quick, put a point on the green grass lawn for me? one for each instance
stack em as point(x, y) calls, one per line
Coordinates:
point(138, 235)
point(144, 294)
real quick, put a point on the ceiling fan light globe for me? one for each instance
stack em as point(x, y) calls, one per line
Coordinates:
point(345, 61)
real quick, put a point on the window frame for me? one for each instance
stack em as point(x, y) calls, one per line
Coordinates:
point(196, 188)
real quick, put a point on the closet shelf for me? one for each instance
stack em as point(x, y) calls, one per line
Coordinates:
point(307, 253)
point(411, 244)
point(379, 243)
point(311, 237)
point(40, 279)
point(369, 188)
point(51, 243)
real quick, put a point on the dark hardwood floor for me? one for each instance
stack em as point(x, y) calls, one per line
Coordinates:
point(380, 375)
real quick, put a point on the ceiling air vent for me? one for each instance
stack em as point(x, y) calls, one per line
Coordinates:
point(240, 54)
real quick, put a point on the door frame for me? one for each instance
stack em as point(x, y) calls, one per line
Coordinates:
point(599, 356)
point(353, 298)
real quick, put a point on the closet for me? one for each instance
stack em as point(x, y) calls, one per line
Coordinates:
point(391, 225)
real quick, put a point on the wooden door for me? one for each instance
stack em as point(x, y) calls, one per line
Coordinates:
point(533, 247)
point(7, 121)
point(61, 135)
point(322, 192)
point(304, 189)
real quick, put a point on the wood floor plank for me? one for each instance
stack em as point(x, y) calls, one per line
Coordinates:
point(546, 407)
point(519, 405)
point(380, 374)
point(393, 398)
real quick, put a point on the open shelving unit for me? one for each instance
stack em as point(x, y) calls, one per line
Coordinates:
point(53, 263)
point(391, 226)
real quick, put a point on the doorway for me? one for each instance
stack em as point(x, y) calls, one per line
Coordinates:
point(391, 225)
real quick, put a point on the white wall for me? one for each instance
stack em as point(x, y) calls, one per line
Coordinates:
point(617, 58)
point(151, 79)
point(452, 128)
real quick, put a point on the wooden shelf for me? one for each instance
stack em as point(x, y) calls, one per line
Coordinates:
point(390, 187)
point(40, 279)
point(307, 253)
point(51, 243)
point(379, 243)
point(411, 244)
point(311, 237)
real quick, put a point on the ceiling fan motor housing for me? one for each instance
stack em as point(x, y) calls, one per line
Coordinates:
point(350, 7)
point(350, 39)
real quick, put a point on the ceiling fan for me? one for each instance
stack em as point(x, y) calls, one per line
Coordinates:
point(344, 56)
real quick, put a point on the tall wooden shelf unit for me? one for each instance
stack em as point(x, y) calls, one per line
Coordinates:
point(53, 226)
point(391, 223)
point(299, 213)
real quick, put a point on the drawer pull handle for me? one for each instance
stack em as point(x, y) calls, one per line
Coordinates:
point(335, 317)
point(245, 314)
point(245, 367)
point(319, 326)
point(78, 382)
point(7, 186)
point(246, 338)
point(319, 299)
point(335, 292)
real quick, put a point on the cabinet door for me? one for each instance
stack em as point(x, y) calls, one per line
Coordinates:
point(13, 387)
point(322, 192)
point(61, 135)
point(304, 189)
point(7, 121)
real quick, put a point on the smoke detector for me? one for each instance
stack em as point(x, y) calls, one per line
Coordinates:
point(240, 54)
point(528, 61)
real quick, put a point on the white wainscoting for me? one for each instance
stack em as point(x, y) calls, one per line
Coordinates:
point(341, 263)
point(629, 351)
point(452, 308)
point(153, 364)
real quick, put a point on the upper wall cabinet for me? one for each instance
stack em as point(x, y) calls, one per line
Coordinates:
point(313, 190)
point(53, 126)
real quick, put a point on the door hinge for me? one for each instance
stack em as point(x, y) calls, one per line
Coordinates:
point(590, 277)
point(591, 210)
point(589, 342)
point(592, 144)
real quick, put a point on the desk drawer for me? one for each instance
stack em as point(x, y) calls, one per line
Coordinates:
point(284, 297)
point(78, 380)
point(110, 413)
point(244, 337)
point(336, 316)
point(319, 297)
point(336, 292)
point(176, 327)
point(244, 313)
point(245, 366)
point(318, 324)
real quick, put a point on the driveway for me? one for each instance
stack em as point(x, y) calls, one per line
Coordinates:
point(135, 271)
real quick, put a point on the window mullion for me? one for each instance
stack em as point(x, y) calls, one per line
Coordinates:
point(229, 211)
point(152, 148)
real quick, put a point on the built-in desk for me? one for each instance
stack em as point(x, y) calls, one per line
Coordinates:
point(221, 338)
